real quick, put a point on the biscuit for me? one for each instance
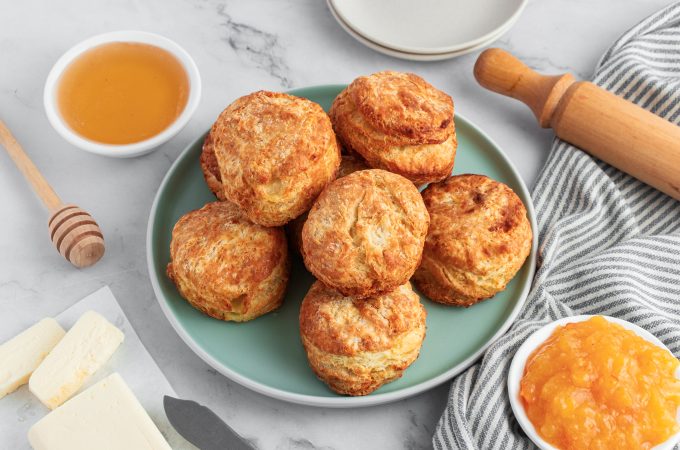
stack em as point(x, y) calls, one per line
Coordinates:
point(348, 164)
point(364, 236)
point(357, 345)
point(398, 122)
point(210, 168)
point(478, 239)
point(227, 266)
point(276, 152)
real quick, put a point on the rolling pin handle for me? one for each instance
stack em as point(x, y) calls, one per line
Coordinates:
point(499, 71)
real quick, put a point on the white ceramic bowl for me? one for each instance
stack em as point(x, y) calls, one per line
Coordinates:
point(538, 338)
point(426, 57)
point(136, 148)
point(428, 26)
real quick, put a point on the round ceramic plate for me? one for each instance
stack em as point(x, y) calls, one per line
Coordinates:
point(428, 26)
point(417, 56)
point(266, 354)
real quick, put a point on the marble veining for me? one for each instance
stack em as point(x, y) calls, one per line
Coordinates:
point(239, 47)
point(258, 47)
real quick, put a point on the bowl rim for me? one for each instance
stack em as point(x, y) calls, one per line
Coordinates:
point(422, 57)
point(135, 148)
point(419, 50)
point(538, 337)
point(341, 401)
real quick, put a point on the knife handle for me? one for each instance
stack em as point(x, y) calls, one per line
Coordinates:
point(614, 130)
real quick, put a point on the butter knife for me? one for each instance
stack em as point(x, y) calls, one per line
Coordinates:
point(202, 427)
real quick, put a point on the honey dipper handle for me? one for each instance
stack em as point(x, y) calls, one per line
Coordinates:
point(28, 169)
point(499, 71)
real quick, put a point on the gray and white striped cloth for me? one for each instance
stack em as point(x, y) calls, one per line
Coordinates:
point(609, 244)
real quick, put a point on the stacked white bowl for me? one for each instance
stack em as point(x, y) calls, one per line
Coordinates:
point(426, 30)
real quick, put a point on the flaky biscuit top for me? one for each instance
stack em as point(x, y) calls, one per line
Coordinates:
point(219, 256)
point(276, 152)
point(477, 224)
point(348, 326)
point(365, 233)
point(398, 122)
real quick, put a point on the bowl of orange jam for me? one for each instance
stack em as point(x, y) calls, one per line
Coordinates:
point(122, 94)
point(596, 382)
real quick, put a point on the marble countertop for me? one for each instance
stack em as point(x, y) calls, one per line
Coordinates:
point(239, 47)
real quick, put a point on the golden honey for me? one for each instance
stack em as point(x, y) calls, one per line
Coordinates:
point(595, 385)
point(122, 92)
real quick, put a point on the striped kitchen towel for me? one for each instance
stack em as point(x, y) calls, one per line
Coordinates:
point(609, 244)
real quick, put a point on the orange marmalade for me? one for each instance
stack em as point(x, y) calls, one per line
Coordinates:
point(596, 385)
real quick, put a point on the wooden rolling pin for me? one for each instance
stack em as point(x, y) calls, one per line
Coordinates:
point(618, 132)
point(73, 231)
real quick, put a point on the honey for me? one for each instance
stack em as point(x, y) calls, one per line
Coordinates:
point(595, 385)
point(122, 92)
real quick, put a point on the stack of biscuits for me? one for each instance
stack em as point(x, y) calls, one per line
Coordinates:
point(345, 186)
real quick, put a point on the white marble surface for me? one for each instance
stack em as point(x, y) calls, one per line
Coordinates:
point(239, 47)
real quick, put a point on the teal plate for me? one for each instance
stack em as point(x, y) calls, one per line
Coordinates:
point(266, 355)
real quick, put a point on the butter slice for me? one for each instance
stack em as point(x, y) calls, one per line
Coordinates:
point(84, 349)
point(107, 416)
point(20, 356)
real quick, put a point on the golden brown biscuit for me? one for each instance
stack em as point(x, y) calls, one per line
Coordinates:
point(210, 168)
point(479, 238)
point(276, 152)
point(356, 346)
point(227, 266)
point(365, 234)
point(398, 122)
point(348, 164)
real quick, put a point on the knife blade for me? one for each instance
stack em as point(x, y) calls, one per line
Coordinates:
point(202, 427)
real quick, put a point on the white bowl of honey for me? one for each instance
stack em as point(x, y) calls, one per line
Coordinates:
point(596, 382)
point(122, 94)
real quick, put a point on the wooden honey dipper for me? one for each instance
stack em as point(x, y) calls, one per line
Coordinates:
point(618, 132)
point(73, 231)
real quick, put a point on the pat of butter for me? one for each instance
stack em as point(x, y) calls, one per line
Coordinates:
point(20, 356)
point(107, 416)
point(84, 349)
